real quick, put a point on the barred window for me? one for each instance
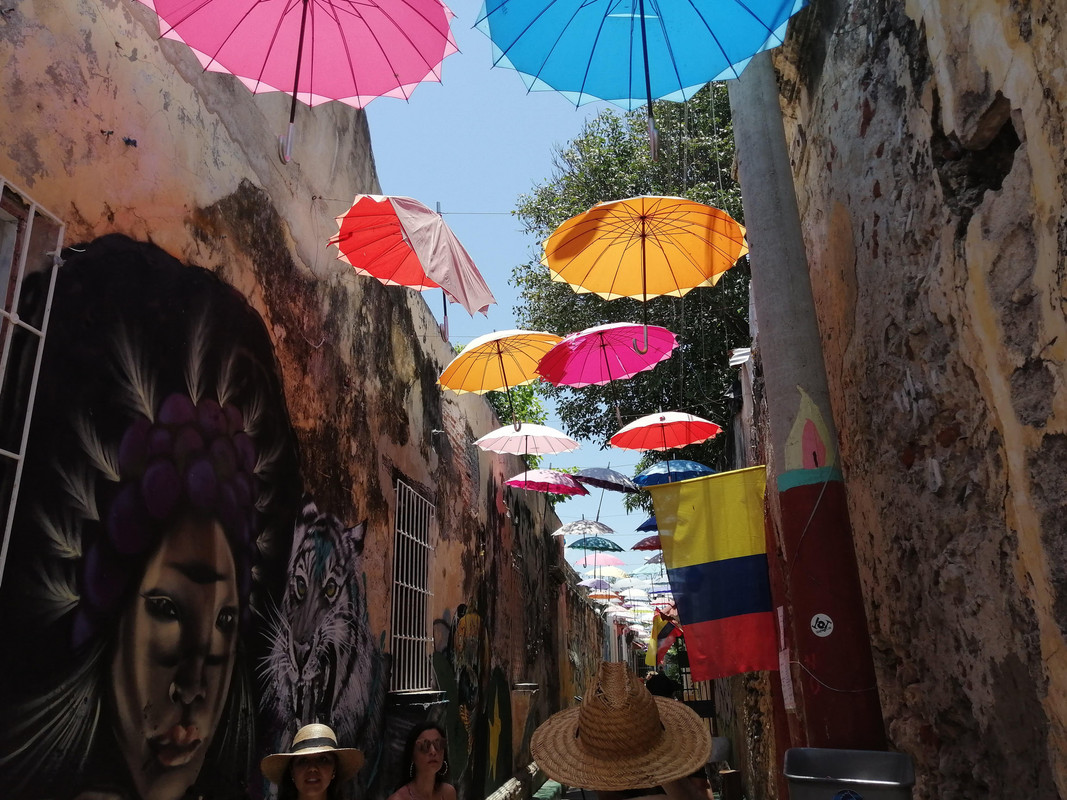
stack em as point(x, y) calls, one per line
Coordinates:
point(412, 551)
point(30, 242)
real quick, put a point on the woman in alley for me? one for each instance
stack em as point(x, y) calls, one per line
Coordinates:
point(425, 766)
point(315, 768)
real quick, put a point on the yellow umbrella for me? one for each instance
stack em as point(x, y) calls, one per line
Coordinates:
point(498, 361)
point(644, 247)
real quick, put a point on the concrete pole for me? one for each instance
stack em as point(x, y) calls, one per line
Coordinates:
point(825, 631)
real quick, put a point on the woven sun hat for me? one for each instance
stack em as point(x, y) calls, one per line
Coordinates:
point(311, 739)
point(621, 737)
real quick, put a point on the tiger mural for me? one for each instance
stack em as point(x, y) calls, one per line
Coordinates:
point(324, 664)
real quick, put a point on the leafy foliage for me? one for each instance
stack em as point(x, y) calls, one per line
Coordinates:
point(610, 160)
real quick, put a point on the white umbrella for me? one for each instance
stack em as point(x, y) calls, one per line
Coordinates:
point(528, 440)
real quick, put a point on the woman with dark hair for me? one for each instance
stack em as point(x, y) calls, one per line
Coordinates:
point(425, 765)
point(315, 768)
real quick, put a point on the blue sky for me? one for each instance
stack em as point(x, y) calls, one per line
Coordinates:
point(473, 144)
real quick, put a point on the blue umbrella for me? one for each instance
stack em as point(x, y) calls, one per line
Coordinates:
point(630, 52)
point(648, 525)
point(669, 471)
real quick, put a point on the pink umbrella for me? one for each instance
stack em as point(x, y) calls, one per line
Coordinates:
point(529, 439)
point(316, 50)
point(604, 353)
point(599, 560)
point(547, 480)
point(664, 431)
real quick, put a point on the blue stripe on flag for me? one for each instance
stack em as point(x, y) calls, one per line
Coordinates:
point(719, 589)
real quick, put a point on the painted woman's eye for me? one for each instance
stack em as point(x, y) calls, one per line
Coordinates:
point(161, 607)
point(300, 587)
point(330, 589)
point(227, 619)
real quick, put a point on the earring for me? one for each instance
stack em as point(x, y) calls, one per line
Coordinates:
point(411, 770)
point(444, 768)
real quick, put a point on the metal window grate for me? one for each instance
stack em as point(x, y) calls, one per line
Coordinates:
point(30, 242)
point(412, 639)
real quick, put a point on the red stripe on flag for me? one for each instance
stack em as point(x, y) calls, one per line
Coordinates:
point(731, 645)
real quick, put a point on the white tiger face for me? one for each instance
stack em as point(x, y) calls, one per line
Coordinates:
point(322, 652)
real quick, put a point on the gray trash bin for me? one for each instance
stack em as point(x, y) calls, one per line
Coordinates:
point(817, 773)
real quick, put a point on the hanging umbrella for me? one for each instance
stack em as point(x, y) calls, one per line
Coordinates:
point(528, 439)
point(667, 430)
point(596, 543)
point(603, 478)
point(677, 469)
point(647, 569)
point(649, 543)
point(594, 583)
point(401, 242)
point(632, 583)
point(583, 527)
point(352, 51)
point(649, 524)
point(547, 480)
point(600, 560)
point(606, 571)
point(498, 361)
point(603, 353)
point(656, 559)
point(644, 247)
point(633, 52)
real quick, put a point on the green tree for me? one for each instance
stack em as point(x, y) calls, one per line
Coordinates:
point(610, 160)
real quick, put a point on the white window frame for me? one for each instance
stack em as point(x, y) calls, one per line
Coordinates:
point(19, 243)
point(412, 635)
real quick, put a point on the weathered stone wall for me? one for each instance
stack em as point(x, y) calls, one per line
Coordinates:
point(116, 131)
point(927, 142)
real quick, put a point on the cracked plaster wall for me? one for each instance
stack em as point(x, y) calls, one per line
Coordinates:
point(927, 145)
point(114, 130)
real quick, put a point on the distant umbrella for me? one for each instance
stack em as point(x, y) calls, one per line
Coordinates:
point(648, 525)
point(583, 527)
point(656, 559)
point(597, 544)
point(667, 430)
point(594, 583)
point(600, 560)
point(603, 478)
point(668, 471)
point(649, 543)
point(606, 572)
point(547, 480)
point(527, 440)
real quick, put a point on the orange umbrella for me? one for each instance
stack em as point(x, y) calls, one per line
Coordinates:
point(644, 247)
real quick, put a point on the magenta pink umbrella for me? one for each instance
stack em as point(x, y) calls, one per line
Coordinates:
point(352, 51)
point(547, 480)
point(604, 353)
point(664, 431)
point(599, 560)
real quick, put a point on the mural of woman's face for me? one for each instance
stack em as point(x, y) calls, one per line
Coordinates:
point(174, 657)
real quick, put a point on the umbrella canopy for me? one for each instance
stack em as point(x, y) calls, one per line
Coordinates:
point(352, 51)
point(583, 527)
point(605, 571)
point(528, 439)
point(656, 559)
point(647, 569)
point(632, 583)
point(644, 247)
point(667, 430)
point(649, 543)
point(603, 478)
point(677, 469)
point(596, 543)
point(603, 353)
point(547, 480)
point(600, 560)
point(401, 242)
point(594, 583)
point(649, 524)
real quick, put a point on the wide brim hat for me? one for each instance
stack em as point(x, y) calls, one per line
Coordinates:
point(311, 739)
point(621, 737)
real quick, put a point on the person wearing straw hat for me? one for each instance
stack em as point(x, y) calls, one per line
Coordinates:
point(621, 738)
point(314, 768)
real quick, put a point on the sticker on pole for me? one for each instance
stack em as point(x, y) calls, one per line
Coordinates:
point(822, 626)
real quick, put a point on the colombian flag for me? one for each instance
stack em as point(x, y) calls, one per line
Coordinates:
point(664, 632)
point(715, 551)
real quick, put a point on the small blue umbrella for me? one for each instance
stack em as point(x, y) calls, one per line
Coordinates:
point(669, 471)
point(648, 525)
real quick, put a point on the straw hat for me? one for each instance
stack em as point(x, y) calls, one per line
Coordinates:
point(310, 739)
point(621, 737)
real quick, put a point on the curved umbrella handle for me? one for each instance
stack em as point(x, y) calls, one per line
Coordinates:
point(637, 348)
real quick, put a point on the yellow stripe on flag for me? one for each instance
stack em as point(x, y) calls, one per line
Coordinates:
point(653, 640)
point(711, 518)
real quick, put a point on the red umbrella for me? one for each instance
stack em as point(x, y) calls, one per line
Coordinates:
point(649, 543)
point(547, 480)
point(352, 51)
point(401, 242)
point(664, 431)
